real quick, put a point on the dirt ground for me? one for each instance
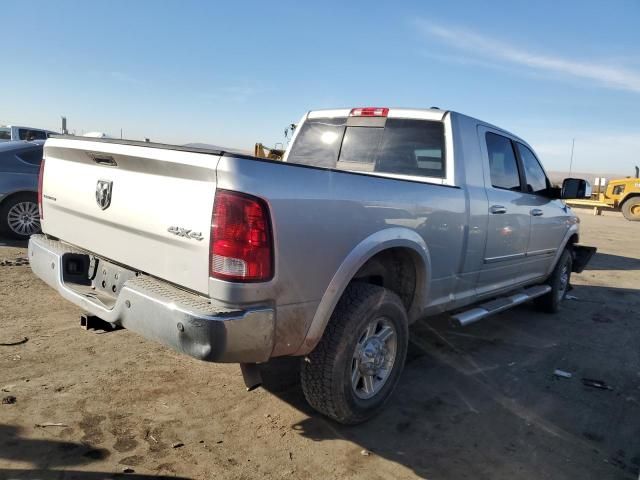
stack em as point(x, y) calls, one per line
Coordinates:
point(478, 403)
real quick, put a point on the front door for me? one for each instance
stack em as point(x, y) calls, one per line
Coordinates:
point(548, 217)
point(509, 217)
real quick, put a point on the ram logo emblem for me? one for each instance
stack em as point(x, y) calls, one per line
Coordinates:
point(103, 193)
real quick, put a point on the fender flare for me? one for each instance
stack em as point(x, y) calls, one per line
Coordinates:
point(395, 237)
point(628, 197)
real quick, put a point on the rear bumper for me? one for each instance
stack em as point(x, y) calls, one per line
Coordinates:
point(188, 323)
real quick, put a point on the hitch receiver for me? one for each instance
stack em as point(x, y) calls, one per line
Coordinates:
point(91, 322)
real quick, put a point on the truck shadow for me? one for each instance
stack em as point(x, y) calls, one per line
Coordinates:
point(483, 401)
point(51, 459)
point(605, 261)
point(8, 242)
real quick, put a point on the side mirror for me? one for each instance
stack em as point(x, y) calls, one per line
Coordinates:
point(575, 188)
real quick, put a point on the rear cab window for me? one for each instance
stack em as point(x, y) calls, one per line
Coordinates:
point(5, 133)
point(397, 147)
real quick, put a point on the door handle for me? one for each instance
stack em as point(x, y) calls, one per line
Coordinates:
point(497, 209)
point(536, 212)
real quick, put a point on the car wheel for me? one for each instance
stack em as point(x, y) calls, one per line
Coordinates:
point(19, 217)
point(631, 209)
point(560, 280)
point(356, 366)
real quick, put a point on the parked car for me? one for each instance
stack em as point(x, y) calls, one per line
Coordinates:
point(19, 167)
point(376, 217)
point(10, 133)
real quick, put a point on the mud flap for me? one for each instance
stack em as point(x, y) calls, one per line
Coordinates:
point(581, 256)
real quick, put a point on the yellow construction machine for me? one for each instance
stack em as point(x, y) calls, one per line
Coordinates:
point(620, 195)
point(261, 151)
point(275, 153)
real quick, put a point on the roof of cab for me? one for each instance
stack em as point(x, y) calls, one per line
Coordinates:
point(433, 113)
point(418, 113)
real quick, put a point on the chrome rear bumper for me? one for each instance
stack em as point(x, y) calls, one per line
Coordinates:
point(187, 322)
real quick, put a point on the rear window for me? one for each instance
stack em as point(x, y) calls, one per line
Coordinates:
point(5, 133)
point(405, 147)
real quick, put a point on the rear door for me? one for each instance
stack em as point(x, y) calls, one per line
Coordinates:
point(548, 216)
point(509, 220)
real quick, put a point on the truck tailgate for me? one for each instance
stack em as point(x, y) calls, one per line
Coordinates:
point(157, 195)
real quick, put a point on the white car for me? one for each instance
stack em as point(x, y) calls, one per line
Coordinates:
point(9, 133)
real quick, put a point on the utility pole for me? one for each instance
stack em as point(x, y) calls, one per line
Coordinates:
point(573, 144)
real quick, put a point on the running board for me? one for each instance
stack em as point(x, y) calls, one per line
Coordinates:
point(499, 305)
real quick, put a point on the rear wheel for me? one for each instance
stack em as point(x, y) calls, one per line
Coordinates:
point(631, 209)
point(19, 217)
point(356, 366)
point(559, 281)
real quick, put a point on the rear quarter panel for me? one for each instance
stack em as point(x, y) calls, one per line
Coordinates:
point(16, 176)
point(319, 216)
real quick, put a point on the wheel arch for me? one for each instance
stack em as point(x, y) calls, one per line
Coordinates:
point(570, 238)
point(15, 193)
point(386, 245)
point(628, 197)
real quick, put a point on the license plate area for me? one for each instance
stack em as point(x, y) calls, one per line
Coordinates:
point(106, 277)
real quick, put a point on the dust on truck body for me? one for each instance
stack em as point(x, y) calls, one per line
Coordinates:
point(376, 217)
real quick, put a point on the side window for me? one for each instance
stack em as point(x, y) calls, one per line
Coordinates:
point(5, 133)
point(38, 135)
point(30, 135)
point(502, 162)
point(536, 179)
point(32, 156)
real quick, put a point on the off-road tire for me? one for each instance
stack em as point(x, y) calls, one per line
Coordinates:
point(7, 205)
point(550, 302)
point(326, 371)
point(629, 209)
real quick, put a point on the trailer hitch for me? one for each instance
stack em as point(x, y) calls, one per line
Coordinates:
point(91, 322)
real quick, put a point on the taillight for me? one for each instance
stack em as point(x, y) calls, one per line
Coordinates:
point(241, 241)
point(369, 112)
point(40, 178)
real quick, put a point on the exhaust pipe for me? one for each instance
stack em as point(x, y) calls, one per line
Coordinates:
point(637, 172)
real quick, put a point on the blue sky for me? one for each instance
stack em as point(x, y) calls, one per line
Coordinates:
point(233, 73)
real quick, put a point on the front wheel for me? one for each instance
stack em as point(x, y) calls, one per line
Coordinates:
point(356, 366)
point(559, 282)
point(631, 209)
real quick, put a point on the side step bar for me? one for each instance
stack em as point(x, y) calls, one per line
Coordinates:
point(499, 305)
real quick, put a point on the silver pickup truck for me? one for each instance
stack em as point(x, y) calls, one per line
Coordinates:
point(377, 217)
